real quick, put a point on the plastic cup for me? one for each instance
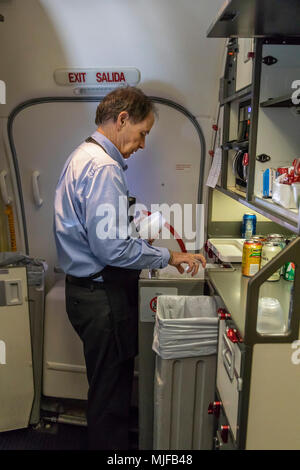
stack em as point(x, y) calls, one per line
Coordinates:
point(270, 319)
point(151, 226)
point(296, 193)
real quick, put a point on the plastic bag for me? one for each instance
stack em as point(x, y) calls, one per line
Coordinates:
point(185, 326)
point(283, 195)
point(35, 267)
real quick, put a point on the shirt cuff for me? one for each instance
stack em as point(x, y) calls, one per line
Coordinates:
point(165, 257)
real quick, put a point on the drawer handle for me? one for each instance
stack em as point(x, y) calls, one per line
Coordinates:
point(233, 335)
point(214, 408)
point(228, 357)
point(224, 433)
point(223, 315)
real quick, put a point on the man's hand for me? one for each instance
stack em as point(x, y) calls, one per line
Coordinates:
point(193, 260)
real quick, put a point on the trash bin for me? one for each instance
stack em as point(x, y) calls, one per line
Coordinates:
point(185, 341)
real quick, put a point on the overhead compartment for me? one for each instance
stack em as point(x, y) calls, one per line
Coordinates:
point(256, 18)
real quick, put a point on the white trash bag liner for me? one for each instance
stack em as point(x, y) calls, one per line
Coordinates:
point(185, 326)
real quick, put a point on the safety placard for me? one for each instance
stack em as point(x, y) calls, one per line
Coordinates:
point(186, 167)
point(98, 76)
point(148, 301)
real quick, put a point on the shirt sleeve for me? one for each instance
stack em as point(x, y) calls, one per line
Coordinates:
point(105, 200)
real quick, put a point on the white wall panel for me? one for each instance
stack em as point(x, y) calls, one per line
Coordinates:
point(166, 40)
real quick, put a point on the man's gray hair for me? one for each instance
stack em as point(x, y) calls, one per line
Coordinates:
point(130, 99)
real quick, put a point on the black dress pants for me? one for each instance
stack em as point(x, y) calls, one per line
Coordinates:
point(109, 370)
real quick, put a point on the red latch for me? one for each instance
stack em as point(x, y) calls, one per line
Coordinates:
point(215, 127)
point(224, 433)
point(251, 55)
point(223, 314)
point(233, 335)
point(214, 408)
point(211, 153)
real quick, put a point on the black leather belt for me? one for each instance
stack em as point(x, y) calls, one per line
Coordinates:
point(84, 282)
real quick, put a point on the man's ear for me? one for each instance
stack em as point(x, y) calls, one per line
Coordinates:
point(122, 119)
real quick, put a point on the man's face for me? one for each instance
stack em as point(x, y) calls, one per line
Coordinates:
point(131, 136)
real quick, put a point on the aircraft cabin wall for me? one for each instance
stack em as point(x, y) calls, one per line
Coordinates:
point(165, 40)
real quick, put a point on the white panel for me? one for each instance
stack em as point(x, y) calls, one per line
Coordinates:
point(244, 65)
point(64, 372)
point(16, 375)
point(274, 417)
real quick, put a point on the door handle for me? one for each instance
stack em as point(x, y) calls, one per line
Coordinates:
point(4, 193)
point(36, 190)
point(228, 357)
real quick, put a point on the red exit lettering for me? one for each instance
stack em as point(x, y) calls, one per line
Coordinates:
point(77, 77)
point(110, 77)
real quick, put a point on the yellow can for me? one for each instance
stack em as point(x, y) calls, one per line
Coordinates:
point(251, 257)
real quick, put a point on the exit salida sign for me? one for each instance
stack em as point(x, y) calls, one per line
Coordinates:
point(98, 76)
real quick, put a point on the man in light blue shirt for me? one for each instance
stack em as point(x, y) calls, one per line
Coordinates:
point(100, 179)
point(102, 271)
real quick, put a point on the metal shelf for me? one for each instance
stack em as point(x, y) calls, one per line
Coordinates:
point(287, 218)
point(238, 95)
point(284, 217)
point(257, 18)
point(233, 193)
point(233, 288)
point(280, 102)
point(236, 145)
point(291, 215)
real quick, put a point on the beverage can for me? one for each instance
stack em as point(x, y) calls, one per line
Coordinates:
point(273, 236)
point(290, 239)
point(251, 257)
point(259, 238)
point(269, 251)
point(249, 225)
point(289, 268)
point(277, 238)
point(289, 271)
